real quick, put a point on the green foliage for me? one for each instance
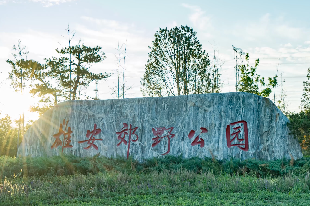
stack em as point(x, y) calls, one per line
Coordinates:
point(51, 80)
point(83, 56)
point(17, 63)
point(8, 137)
point(61, 165)
point(183, 182)
point(69, 165)
point(282, 105)
point(249, 80)
point(299, 126)
point(257, 168)
point(177, 65)
point(305, 101)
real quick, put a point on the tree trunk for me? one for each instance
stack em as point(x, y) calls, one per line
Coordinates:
point(184, 73)
point(76, 82)
point(178, 70)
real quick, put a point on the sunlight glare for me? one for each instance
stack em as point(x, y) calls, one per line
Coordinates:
point(17, 104)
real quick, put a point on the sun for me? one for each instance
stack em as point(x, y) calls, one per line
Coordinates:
point(18, 104)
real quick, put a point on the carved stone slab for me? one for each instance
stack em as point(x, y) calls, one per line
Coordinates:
point(237, 124)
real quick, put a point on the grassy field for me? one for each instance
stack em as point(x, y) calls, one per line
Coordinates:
point(121, 182)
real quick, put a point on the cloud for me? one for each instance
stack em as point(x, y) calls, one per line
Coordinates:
point(287, 45)
point(92, 32)
point(288, 31)
point(39, 44)
point(109, 37)
point(270, 29)
point(107, 23)
point(198, 17)
point(107, 34)
point(4, 52)
point(285, 53)
point(48, 3)
point(172, 25)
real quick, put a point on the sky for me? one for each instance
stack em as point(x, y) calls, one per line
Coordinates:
point(277, 32)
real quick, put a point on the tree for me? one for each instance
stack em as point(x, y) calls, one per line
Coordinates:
point(54, 81)
point(177, 65)
point(250, 81)
point(299, 124)
point(41, 81)
point(305, 101)
point(84, 56)
point(122, 91)
point(282, 105)
point(8, 137)
point(17, 64)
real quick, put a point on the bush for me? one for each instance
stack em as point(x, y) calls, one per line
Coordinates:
point(299, 126)
point(69, 165)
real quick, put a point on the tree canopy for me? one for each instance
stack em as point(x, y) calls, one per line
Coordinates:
point(305, 100)
point(81, 76)
point(252, 83)
point(177, 65)
point(51, 80)
point(299, 124)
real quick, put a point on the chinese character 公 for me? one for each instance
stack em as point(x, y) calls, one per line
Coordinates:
point(197, 141)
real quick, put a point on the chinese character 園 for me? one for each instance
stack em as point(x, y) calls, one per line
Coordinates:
point(233, 135)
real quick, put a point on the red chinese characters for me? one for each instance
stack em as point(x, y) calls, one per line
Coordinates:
point(197, 141)
point(125, 131)
point(233, 135)
point(158, 132)
point(91, 139)
point(66, 137)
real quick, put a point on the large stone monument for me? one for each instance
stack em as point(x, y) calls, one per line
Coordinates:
point(239, 125)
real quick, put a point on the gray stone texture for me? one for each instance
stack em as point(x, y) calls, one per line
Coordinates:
point(268, 134)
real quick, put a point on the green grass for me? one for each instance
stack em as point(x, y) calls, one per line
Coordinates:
point(165, 188)
point(164, 181)
point(206, 198)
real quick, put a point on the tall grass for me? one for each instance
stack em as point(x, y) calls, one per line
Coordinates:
point(71, 179)
point(69, 165)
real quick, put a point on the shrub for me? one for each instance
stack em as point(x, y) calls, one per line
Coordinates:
point(69, 165)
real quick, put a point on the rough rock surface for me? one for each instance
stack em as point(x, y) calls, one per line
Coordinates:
point(154, 122)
